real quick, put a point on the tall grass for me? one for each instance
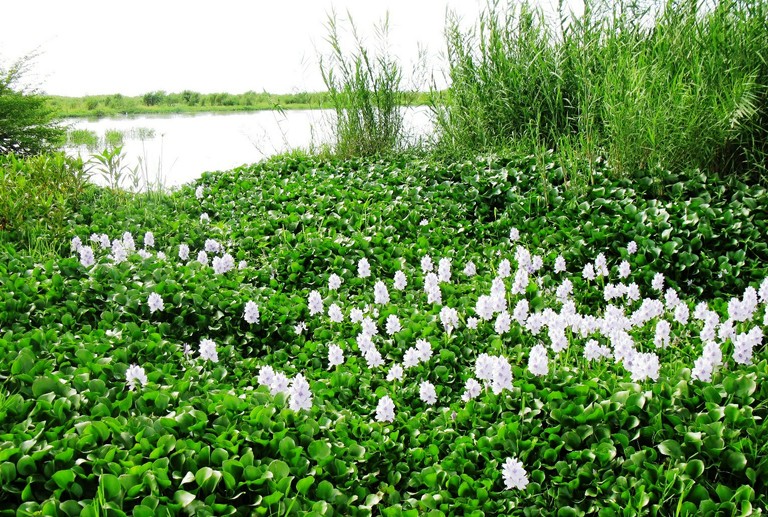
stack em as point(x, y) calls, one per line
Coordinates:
point(365, 91)
point(673, 85)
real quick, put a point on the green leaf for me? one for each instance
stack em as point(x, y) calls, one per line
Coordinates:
point(63, 478)
point(671, 448)
point(183, 498)
point(319, 450)
point(303, 485)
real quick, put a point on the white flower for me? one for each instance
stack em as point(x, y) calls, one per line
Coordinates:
point(514, 474)
point(149, 240)
point(266, 375)
point(432, 289)
point(104, 240)
point(204, 218)
point(444, 270)
point(503, 322)
point(521, 311)
point(536, 263)
point(501, 378)
point(682, 313)
point(484, 367)
point(223, 264)
point(369, 326)
point(335, 356)
point(199, 192)
point(160, 255)
point(334, 312)
point(279, 384)
point(395, 373)
point(86, 256)
point(144, 254)
point(183, 252)
point(356, 315)
point(471, 389)
point(135, 375)
point(449, 317)
point(505, 269)
point(564, 290)
point(393, 324)
point(300, 327)
point(373, 357)
point(380, 293)
point(472, 322)
point(538, 364)
point(385, 410)
point(400, 281)
point(424, 348)
point(658, 282)
point(426, 264)
point(514, 234)
point(588, 273)
point(212, 246)
point(559, 264)
point(642, 366)
point(76, 244)
point(470, 269)
point(208, 350)
point(363, 268)
point(119, 253)
point(334, 282)
point(624, 269)
point(242, 264)
point(155, 302)
point(763, 291)
point(423, 222)
point(251, 312)
point(593, 350)
point(632, 247)
point(202, 258)
point(427, 393)
point(128, 242)
point(299, 396)
point(411, 358)
point(315, 303)
point(521, 282)
point(661, 338)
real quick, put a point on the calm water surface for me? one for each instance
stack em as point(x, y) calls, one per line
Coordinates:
point(184, 146)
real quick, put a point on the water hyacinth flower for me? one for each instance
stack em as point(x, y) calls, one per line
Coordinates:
point(704, 366)
point(501, 378)
point(514, 474)
point(514, 234)
point(155, 303)
point(588, 273)
point(363, 268)
point(393, 325)
point(135, 375)
point(632, 247)
point(251, 312)
point(334, 312)
point(503, 323)
point(149, 240)
point(373, 357)
point(411, 358)
point(642, 366)
point(202, 258)
point(559, 264)
point(144, 254)
point(505, 269)
point(471, 389)
point(299, 328)
point(594, 351)
point(472, 322)
point(427, 393)
point(432, 288)
point(223, 264)
point(199, 192)
point(470, 269)
point(521, 282)
point(538, 364)
point(624, 269)
point(385, 410)
point(536, 264)
point(208, 350)
point(119, 253)
point(104, 241)
point(444, 270)
point(205, 218)
point(449, 317)
point(356, 315)
point(400, 281)
point(183, 252)
point(315, 303)
point(242, 265)
point(423, 222)
point(658, 282)
point(86, 256)
point(369, 326)
point(334, 282)
point(212, 246)
point(380, 293)
point(424, 349)
point(763, 292)
point(128, 242)
point(76, 244)
point(426, 264)
point(335, 356)
point(299, 395)
point(395, 373)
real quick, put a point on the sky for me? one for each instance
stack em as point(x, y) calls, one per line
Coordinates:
point(91, 47)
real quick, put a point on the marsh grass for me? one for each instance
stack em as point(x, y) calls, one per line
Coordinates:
point(364, 87)
point(676, 85)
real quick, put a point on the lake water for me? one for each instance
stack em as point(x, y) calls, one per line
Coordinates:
point(182, 147)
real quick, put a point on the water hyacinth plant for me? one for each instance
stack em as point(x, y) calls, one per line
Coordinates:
point(364, 364)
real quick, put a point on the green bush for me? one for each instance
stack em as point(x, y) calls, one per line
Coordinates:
point(27, 124)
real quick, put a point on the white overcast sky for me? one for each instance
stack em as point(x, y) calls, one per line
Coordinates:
point(89, 47)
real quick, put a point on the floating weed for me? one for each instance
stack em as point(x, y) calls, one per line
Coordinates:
point(363, 363)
